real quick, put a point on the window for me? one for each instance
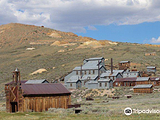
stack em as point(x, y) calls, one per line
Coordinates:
point(93, 72)
point(116, 83)
point(76, 72)
point(85, 72)
point(105, 84)
point(100, 84)
point(89, 72)
point(71, 85)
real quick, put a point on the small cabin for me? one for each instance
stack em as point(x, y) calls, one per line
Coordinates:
point(143, 80)
point(155, 81)
point(124, 65)
point(147, 88)
point(151, 69)
point(35, 97)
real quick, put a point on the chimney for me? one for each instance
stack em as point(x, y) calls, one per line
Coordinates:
point(98, 70)
point(16, 76)
point(81, 72)
point(111, 66)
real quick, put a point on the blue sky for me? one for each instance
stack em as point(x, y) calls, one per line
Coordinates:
point(136, 21)
point(139, 33)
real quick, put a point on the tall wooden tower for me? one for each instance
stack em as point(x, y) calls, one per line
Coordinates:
point(14, 93)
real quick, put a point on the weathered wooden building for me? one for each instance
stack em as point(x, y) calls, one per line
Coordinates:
point(151, 69)
point(147, 88)
point(143, 80)
point(155, 81)
point(124, 65)
point(35, 97)
point(125, 82)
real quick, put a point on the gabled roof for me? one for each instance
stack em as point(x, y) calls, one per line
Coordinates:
point(143, 86)
point(73, 79)
point(126, 79)
point(90, 65)
point(104, 80)
point(142, 78)
point(36, 81)
point(108, 73)
point(97, 58)
point(44, 89)
point(150, 67)
point(93, 77)
point(124, 61)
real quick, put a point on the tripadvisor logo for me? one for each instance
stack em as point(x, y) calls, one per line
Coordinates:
point(128, 111)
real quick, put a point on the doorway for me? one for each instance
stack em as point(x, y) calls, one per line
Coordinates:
point(14, 107)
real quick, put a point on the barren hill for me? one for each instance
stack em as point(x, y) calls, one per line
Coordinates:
point(15, 33)
point(33, 48)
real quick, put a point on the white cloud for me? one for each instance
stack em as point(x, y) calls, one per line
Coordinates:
point(154, 40)
point(75, 15)
point(91, 27)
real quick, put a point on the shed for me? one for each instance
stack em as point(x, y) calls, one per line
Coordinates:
point(35, 97)
point(151, 69)
point(132, 74)
point(155, 81)
point(146, 88)
point(124, 65)
point(143, 80)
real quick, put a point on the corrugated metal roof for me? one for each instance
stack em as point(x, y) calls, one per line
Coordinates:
point(108, 73)
point(150, 67)
point(104, 80)
point(89, 77)
point(93, 82)
point(36, 81)
point(75, 78)
point(23, 81)
point(97, 58)
point(142, 79)
point(92, 65)
point(120, 71)
point(44, 89)
point(124, 61)
point(143, 86)
point(125, 79)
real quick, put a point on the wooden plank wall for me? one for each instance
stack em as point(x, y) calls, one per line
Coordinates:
point(39, 104)
point(143, 90)
point(142, 82)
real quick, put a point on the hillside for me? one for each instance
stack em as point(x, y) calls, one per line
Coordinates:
point(54, 53)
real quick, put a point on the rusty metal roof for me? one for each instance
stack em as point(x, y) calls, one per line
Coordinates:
point(23, 81)
point(126, 79)
point(44, 89)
